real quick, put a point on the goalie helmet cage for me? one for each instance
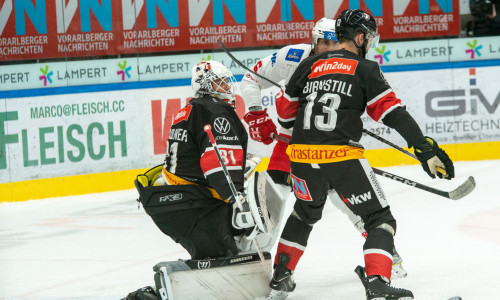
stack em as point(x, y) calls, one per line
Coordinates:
point(237, 277)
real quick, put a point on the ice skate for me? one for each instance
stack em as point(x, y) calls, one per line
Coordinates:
point(277, 295)
point(378, 289)
point(398, 271)
point(282, 277)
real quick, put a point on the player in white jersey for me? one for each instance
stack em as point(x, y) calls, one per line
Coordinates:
point(279, 67)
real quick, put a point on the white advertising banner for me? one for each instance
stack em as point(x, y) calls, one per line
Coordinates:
point(140, 69)
point(54, 136)
point(435, 51)
point(451, 105)
point(103, 71)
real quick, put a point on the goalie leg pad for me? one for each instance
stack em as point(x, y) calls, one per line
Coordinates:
point(238, 277)
point(257, 203)
point(265, 197)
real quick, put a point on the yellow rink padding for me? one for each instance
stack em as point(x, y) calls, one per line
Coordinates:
point(69, 185)
point(121, 180)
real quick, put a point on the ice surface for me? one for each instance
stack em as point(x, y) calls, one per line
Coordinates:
point(100, 246)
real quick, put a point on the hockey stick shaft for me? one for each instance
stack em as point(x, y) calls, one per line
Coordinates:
point(411, 183)
point(378, 137)
point(237, 61)
point(208, 130)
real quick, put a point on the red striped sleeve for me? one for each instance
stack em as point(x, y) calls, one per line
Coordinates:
point(232, 156)
point(286, 107)
point(382, 104)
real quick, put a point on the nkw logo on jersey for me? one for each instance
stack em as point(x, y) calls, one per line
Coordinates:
point(222, 125)
point(294, 55)
point(357, 199)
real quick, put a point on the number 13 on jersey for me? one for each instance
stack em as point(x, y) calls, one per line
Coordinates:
point(322, 122)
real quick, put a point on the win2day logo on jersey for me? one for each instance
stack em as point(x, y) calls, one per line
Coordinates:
point(333, 65)
point(294, 55)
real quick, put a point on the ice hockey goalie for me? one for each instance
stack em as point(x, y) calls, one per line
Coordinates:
point(241, 276)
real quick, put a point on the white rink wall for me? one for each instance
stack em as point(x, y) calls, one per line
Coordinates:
point(77, 127)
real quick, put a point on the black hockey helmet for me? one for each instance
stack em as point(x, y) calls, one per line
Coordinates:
point(352, 21)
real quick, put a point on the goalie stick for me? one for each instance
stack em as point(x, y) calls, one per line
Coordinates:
point(461, 191)
point(208, 130)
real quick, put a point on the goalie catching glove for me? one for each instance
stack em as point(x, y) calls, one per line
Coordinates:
point(260, 126)
point(432, 157)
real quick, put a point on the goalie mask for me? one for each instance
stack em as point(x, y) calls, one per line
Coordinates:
point(214, 79)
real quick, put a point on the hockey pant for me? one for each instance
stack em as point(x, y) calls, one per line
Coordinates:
point(279, 163)
point(279, 170)
point(190, 216)
point(355, 183)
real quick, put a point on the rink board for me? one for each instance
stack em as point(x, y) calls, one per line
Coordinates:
point(81, 143)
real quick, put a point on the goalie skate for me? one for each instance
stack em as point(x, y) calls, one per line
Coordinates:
point(277, 295)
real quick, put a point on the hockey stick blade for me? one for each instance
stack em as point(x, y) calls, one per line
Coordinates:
point(461, 191)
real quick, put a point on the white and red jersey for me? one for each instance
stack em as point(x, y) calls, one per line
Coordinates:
point(277, 67)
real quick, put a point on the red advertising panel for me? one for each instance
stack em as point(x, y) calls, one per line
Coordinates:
point(38, 29)
point(400, 19)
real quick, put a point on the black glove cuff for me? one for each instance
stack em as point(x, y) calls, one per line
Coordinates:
point(427, 150)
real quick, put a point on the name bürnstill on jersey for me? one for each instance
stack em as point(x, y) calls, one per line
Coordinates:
point(327, 95)
point(191, 157)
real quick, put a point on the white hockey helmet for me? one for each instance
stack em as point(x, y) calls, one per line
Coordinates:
point(324, 29)
point(213, 78)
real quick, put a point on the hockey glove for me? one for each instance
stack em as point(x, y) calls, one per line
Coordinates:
point(242, 218)
point(431, 157)
point(260, 126)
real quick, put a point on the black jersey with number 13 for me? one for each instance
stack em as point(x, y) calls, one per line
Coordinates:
point(327, 95)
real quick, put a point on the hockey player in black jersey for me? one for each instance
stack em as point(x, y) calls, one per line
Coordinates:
point(192, 203)
point(324, 101)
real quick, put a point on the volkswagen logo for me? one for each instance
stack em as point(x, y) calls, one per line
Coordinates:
point(222, 125)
